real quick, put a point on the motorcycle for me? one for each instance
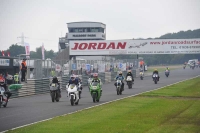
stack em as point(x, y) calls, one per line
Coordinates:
point(95, 91)
point(166, 73)
point(141, 75)
point(73, 94)
point(54, 92)
point(80, 89)
point(184, 66)
point(3, 97)
point(155, 78)
point(129, 81)
point(119, 87)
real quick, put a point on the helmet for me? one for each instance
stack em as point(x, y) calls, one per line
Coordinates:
point(120, 73)
point(95, 75)
point(155, 69)
point(129, 71)
point(72, 77)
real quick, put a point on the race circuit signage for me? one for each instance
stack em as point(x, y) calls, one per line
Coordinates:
point(84, 35)
point(153, 46)
point(4, 62)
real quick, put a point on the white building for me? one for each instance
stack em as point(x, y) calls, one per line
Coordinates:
point(83, 31)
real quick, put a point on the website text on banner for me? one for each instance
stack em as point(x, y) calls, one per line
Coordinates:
point(153, 46)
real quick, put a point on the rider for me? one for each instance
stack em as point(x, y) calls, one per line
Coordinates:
point(121, 77)
point(96, 79)
point(79, 80)
point(2, 79)
point(156, 72)
point(130, 74)
point(73, 80)
point(55, 80)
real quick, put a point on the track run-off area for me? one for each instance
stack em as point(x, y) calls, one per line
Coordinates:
point(26, 110)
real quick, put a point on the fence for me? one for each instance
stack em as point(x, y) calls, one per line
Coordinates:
point(38, 69)
point(40, 72)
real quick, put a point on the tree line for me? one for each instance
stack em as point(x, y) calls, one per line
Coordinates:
point(15, 50)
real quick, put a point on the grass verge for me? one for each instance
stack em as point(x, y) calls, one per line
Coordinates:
point(163, 68)
point(173, 109)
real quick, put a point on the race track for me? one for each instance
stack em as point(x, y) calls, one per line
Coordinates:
point(26, 110)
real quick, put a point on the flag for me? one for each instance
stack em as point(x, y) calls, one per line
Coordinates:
point(8, 53)
point(27, 49)
point(2, 53)
point(43, 57)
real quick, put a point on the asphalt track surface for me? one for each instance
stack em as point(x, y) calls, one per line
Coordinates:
point(26, 110)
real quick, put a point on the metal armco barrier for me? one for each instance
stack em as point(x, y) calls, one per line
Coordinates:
point(41, 86)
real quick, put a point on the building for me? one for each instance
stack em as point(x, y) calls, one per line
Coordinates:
point(82, 31)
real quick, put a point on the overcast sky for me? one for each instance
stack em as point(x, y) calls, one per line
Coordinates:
point(44, 21)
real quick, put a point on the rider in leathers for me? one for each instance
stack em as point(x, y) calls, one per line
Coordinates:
point(55, 80)
point(122, 78)
point(130, 74)
point(156, 72)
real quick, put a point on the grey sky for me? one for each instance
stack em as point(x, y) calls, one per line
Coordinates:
point(43, 21)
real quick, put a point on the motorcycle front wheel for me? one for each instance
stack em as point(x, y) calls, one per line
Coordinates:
point(53, 96)
point(72, 100)
point(94, 97)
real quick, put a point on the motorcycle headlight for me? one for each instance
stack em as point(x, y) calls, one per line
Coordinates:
point(94, 87)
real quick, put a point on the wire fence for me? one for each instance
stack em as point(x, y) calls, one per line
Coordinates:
point(38, 69)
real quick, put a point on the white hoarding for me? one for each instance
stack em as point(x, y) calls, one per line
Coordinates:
point(4, 62)
point(153, 46)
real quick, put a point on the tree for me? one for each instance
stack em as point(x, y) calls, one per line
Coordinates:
point(15, 50)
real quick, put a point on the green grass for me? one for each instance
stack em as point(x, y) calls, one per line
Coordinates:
point(163, 68)
point(174, 109)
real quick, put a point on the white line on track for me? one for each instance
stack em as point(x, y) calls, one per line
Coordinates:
point(98, 105)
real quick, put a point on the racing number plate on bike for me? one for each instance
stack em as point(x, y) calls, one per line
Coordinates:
point(53, 85)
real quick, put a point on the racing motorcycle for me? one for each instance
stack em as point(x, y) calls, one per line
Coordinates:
point(129, 81)
point(55, 92)
point(166, 73)
point(95, 91)
point(3, 97)
point(119, 87)
point(73, 94)
point(80, 89)
point(141, 75)
point(155, 78)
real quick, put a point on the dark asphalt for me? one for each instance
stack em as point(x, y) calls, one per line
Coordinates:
point(26, 110)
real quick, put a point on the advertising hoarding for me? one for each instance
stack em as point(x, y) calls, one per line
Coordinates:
point(152, 46)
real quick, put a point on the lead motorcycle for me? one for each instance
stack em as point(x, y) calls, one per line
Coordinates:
point(155, 78)
point(3, 97)
point(129, 81)
point(55, 92)
point(73, 94)
point(95, 91)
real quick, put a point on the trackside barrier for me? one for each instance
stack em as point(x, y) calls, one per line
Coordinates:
point(41, 86)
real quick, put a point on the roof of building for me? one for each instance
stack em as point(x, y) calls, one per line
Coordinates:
point(86, 22)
